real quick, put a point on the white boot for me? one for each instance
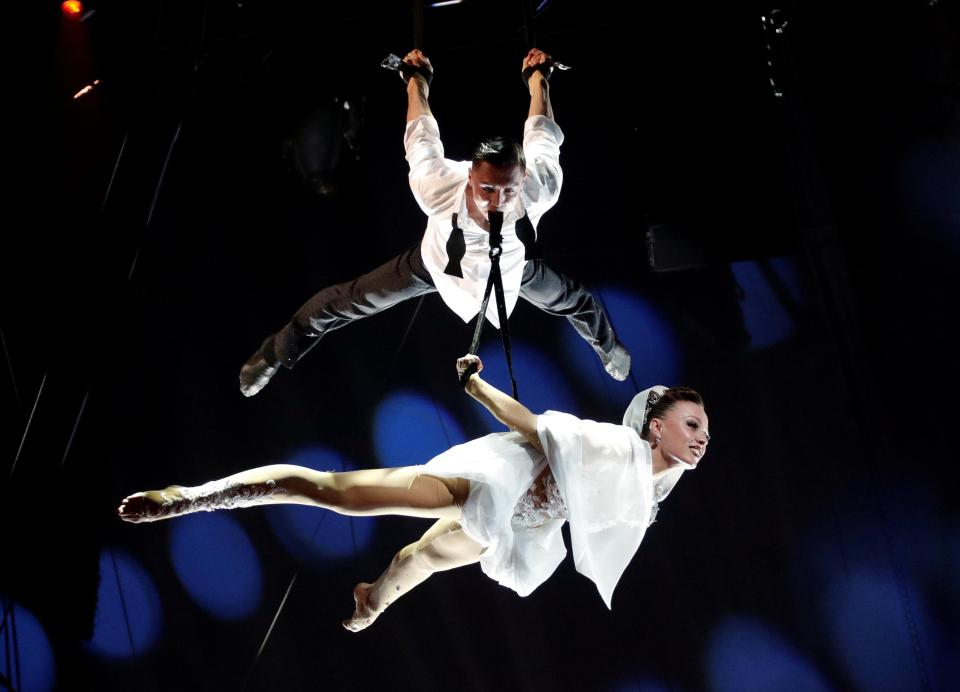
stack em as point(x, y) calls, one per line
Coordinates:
point(175, 500)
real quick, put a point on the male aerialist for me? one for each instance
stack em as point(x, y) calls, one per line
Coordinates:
point(452, 258)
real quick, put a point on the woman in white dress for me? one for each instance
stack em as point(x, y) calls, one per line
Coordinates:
point(499, 500)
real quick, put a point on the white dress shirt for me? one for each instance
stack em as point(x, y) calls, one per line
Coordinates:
point(439, 186)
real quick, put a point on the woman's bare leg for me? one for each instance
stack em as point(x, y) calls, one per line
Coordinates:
point(444, 546)
point(405, 491)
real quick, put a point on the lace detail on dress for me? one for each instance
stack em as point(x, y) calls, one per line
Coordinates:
point(539, 504)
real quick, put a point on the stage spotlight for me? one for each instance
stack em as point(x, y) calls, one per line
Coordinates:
point(771, 297)
point(883, 633)
point(28, 662)
point(87, 89)
point(745, 655)
point(72, 9)
point(217, 564)
point(672, 247)
point(411, 429)
point(316, 149)
point(648, 334)
point(129, 616)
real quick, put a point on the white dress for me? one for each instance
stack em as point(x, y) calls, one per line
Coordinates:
point(604, 474)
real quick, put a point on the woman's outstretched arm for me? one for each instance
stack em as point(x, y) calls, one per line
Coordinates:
point(504, 408)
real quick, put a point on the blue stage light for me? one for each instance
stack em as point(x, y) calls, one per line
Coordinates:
point(410, 429)
point(646, 333)
point(217, 564)
point(129, 616)
point(314, 534)
point(883, 634)
point(27, 660)
point(769, 300)
point(744, 655)
point(541, 381)
point(871, 577)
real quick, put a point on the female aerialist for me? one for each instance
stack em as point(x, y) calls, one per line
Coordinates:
point(499, 500)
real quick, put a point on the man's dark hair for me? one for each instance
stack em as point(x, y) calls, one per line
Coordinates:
point(499, 152)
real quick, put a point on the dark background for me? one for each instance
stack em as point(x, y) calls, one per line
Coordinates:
point(160, 226)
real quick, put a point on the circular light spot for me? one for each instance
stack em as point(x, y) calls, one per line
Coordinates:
point(644, 331)
point(410, 429)
point(129, 617)
point(746, 656)
point(28, 662)
point(217, 564)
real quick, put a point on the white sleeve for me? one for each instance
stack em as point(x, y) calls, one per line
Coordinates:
point(542, 138)
point(434, 180)
point(605, 475)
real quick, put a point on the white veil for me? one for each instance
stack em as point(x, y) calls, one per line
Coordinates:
point(634, 417)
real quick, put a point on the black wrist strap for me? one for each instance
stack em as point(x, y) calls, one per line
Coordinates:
point(545, 68)
point(406, 70)
point(465, 377)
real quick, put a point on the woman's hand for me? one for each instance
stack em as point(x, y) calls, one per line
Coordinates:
point(464, 364)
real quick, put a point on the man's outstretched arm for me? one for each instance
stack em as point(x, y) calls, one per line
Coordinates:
point(418, 91)
point(539, 86)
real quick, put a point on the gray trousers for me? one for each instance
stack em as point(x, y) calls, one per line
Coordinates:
point(404, 277)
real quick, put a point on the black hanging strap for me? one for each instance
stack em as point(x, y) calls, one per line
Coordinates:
point(495, 282)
